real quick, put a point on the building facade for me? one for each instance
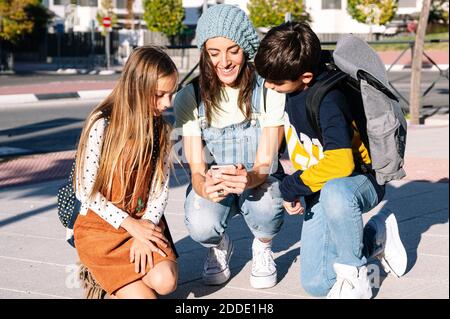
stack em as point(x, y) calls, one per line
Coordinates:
point(329, 16)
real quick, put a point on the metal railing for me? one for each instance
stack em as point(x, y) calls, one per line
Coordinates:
point(409, 44)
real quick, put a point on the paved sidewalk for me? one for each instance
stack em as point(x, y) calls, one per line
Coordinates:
point(36, 262)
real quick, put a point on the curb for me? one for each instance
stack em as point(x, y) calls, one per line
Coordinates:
point(27, 98)
point(407, 67)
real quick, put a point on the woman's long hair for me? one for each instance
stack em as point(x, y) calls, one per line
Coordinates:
point(129, 140)
point(211, 87)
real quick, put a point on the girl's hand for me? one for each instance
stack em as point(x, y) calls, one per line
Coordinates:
point(146, 232)
point(140, 254)
point(234, 180)
point(294, 208)
point(212, 188)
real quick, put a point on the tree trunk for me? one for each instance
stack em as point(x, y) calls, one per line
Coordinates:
point(130, 14)
point(416, 70)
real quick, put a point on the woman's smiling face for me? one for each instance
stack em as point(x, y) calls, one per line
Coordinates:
point(227, 58)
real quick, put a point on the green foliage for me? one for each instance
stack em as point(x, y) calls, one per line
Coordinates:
point(21, 17)
point(269, 13)
point(439, 12)
point(164, 16)
point(378, 12)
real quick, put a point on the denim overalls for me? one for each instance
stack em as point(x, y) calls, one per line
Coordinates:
point(261, 207)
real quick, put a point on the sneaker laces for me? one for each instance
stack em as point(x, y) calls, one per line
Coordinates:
point(338, 286)
point(263, 261)
point(216, 258)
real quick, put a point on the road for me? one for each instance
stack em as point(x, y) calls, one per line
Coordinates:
point(50, 126)
point(47, 126)
point(29, 79)
point(436, 97)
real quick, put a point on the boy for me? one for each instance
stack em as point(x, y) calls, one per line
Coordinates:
point(329, 175)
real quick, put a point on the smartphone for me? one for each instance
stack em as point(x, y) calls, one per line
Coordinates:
point(217, 169)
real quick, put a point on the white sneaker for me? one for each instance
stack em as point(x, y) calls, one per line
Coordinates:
point(264, 271)
point(216, 270)
point(388, 247)
point(351, 283)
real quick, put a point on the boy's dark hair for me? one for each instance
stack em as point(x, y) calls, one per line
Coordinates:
point(287, 51)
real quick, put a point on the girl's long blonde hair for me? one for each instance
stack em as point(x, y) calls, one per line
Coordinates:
point(128, 140)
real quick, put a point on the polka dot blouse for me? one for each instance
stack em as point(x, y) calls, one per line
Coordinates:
point(155, 205)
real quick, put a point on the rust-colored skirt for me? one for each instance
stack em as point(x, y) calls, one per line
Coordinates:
point(105, 251)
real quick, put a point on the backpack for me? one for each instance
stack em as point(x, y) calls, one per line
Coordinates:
point(67, 204)
point(68, 207)
point(357, 71)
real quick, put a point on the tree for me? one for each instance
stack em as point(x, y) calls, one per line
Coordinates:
point(20, 17)
point(416, 72)
point(269, 13)
point(372, 12)
point(439, 12)
point(130, 14)
point(164, 16)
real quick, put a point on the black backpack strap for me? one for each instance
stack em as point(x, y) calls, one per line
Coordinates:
point(264, 97)
point(196, 85)
point(315, 96)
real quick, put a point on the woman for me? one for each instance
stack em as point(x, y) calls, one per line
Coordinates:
point(242, 127)
point(122, 180)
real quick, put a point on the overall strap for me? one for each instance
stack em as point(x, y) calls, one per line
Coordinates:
point(256, 99)
point(256, 95)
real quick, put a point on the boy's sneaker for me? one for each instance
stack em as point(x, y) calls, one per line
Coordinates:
point(351, 283)
point(216, 270)
point(264, 271)
point(382, 240)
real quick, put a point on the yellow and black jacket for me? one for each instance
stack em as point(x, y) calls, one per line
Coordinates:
point(341, 155)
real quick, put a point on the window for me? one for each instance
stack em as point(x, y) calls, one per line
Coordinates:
point(87, 3)
point(407, 3)
point(81, 3)
point(332, 4)
point(61, 2)
point(121, 4)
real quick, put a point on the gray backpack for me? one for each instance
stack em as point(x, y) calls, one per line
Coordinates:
point(356, 70)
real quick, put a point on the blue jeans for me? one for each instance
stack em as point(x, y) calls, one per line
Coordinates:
point(262, 208)
point(332, 231)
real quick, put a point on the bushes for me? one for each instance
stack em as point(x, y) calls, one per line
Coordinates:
point(21, 17)
point(268, 13)
point(377, 12)
point(164, 16)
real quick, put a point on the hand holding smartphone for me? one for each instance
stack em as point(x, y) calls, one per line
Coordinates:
point(216, 170)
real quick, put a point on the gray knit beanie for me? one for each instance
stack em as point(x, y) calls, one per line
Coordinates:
point(224, 20)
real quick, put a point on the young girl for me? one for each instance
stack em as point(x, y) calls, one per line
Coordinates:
point(122, 179)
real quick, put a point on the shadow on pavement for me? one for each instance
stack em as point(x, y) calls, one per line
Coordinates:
point(25, 215)
point(36, 127)
point(193, 255)
point(412, 221)
point(61, 140)
point(412, 224)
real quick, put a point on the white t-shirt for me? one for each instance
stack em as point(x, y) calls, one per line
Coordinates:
point(187, 118)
